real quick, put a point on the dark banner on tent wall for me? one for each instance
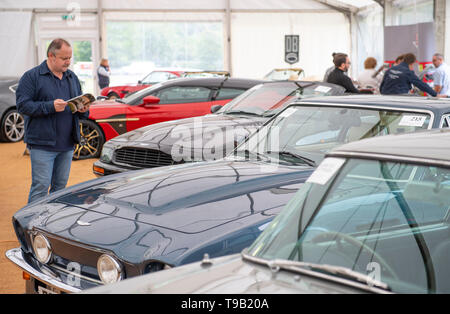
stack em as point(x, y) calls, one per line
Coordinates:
point(417, 38)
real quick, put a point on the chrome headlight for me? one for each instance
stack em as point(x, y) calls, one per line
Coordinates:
point(107, 154)
point(42, 249)
point(109, 269)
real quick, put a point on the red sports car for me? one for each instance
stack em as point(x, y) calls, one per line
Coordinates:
point(169, 100)
point(152, 78)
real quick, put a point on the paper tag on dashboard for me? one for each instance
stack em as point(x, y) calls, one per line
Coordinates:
point(412, 121)
point(327, 168)
point(322, 89)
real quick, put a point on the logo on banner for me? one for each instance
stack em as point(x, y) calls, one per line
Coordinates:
point(291, 48)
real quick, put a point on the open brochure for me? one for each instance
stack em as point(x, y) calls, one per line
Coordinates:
point(79, 102)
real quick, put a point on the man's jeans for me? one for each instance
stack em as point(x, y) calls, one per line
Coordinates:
point(48, 170)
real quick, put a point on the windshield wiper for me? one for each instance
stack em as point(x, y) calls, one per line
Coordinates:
point(305, 160)
point(119, 100)
point(248, 153)
point(270, 113)
point(242, 112)
point(302, 267)
point(277, 264)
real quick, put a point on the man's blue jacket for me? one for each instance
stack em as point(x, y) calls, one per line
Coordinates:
point(34, 99)
point(398, 80)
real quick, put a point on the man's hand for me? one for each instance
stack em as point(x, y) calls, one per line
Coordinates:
point(60, 105)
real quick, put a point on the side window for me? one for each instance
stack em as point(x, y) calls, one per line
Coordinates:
point(445, 122)
point(183, 94)
point(228, 93)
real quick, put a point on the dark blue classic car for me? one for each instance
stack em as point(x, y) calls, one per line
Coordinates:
point(137, 222)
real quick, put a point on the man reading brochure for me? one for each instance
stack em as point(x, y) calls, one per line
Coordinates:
point(51, 130)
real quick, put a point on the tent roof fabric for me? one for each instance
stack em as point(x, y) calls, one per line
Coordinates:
point(346, 5)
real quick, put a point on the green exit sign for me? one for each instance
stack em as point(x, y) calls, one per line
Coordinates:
point(68, 17)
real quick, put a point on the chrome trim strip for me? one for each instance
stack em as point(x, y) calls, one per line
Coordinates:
point(395, 158)
point(444, 117)
point(117, 120)
point(13, 87)
point(362, 106)
point(76, 275)
point(16, 256)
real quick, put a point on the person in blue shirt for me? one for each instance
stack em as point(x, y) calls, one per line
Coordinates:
point(51, 130)
point(441, 77)
point(399, 78)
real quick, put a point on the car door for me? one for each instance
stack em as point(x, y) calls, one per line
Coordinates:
point(176, 102)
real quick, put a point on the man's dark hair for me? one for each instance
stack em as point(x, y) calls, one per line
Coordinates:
point(339, 58)
point(56, 44)
point(409, 58)
point(399, 59)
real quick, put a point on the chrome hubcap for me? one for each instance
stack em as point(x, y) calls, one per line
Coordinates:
point(14, 127)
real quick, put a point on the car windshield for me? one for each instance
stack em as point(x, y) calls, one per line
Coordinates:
point(309, 131)
point(269, 99)
point(386, 220)
point(157, 77)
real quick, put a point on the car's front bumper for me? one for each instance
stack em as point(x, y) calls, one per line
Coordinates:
point(51, 281)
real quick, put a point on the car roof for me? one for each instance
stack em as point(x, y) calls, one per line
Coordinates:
point(397, 101)
point(214, 81)
point(429, 147)
point(301, 83)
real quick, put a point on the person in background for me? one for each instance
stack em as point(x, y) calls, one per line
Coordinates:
point(370, 78)
point(337, 76)
point(330, 69)
point(398, 79)
point(441, 76)
point(51, 130)
point(103, 73)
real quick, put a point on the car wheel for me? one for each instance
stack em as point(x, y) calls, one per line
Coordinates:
point(113, 95)
point(12, 127)
point(91, 141)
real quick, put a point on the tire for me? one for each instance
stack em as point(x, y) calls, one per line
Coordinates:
point(91, 141)
point(113, 95)
point(12, 126)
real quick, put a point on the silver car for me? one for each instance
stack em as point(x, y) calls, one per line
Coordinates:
point(11, 121)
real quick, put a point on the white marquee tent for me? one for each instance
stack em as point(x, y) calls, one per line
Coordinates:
point(252, 31)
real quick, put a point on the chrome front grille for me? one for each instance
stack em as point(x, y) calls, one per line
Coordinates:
point(142, 157)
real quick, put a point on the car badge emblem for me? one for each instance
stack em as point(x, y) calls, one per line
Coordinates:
point(83, 223)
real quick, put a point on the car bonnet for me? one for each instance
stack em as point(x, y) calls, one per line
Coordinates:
point(172, 131)
point(194, 197)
